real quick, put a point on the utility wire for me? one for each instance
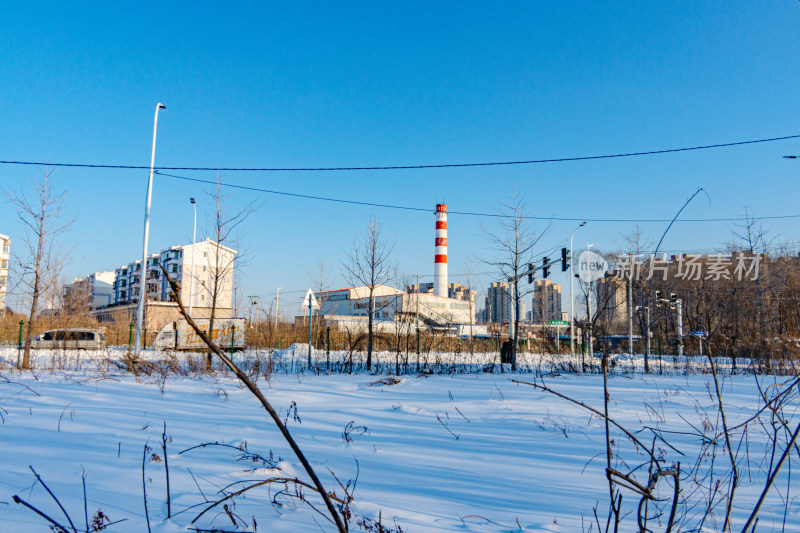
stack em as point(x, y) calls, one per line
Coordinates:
point(470, 213)
point(413, 167)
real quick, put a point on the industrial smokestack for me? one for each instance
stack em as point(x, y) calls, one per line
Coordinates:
point(440, 252)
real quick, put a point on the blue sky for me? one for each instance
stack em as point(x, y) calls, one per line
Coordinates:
point(365, 84)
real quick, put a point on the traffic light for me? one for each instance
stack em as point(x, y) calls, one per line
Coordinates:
point(530, 272)
point(545, 267)
point(673, 298)
point(658, 296)
point(563, 260)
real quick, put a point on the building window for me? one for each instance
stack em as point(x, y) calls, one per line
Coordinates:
point(123, 295)
point(4, 264)
point(5, 248)
point(123, 283)
point(173, 268)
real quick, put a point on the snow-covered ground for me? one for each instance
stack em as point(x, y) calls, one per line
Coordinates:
point(462, 452)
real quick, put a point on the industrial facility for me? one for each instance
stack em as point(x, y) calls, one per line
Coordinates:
point(438, 306)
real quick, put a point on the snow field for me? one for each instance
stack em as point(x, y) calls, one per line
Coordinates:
point(499, 457)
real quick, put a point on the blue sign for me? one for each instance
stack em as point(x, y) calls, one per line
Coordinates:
point(700, 333)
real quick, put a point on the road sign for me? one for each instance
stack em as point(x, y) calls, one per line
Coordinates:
point(700, 333)
point(310, 300)
point(558, 322)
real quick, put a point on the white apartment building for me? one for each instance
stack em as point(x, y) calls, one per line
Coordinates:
point(93, 291)
point(194, 266)
point(5, 254)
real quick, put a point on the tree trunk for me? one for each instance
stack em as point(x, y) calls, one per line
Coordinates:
point(369, 328)
point(26, 356)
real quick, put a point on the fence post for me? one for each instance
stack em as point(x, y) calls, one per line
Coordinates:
point(19, 346)
point(130, 336)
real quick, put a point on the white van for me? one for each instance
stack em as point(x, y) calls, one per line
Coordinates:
point(69, 339)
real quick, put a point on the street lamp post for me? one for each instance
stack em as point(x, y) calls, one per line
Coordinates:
point(277, 292)
point(571, 295)
point(194, 241)
point(589, 312)
point(143, 273)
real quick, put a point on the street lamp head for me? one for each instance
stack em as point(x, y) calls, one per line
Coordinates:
point(191, 200)
point(582, 224)
point(790, 157)
point(161, 106)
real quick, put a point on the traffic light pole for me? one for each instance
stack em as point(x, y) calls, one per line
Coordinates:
point(679, 309)
point(545, 268)
point(647, 352)
point(630, 317)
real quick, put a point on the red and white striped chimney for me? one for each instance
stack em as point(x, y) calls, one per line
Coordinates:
point(440, 252)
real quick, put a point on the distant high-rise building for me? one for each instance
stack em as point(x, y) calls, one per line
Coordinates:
point(498, 303)
point(546, 302)
point(612, 300)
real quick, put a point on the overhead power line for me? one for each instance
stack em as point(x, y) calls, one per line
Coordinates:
point(412, 167)
point(470, 213)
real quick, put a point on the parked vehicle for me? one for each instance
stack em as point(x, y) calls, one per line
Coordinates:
point(228, 333)
point(69, 339)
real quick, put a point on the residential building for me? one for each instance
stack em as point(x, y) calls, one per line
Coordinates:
point(546, 302)
point(211, 262)
point(198, 268)
point(612, 300)
point(5, 257)
point(498, 303)
point(90, 292)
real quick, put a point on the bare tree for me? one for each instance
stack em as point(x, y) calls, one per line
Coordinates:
point(40, 262)
point(225, 229)
point(513, 244)
point(369, 263)
point(754, 239)
point(469, 284)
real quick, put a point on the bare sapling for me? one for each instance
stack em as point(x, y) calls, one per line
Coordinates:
point(99, 521)
point(334, 514)
point(658, 469)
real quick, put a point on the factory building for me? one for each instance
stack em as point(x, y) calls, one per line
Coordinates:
point(391, 304)
point(455, 291)
point(436, 305)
